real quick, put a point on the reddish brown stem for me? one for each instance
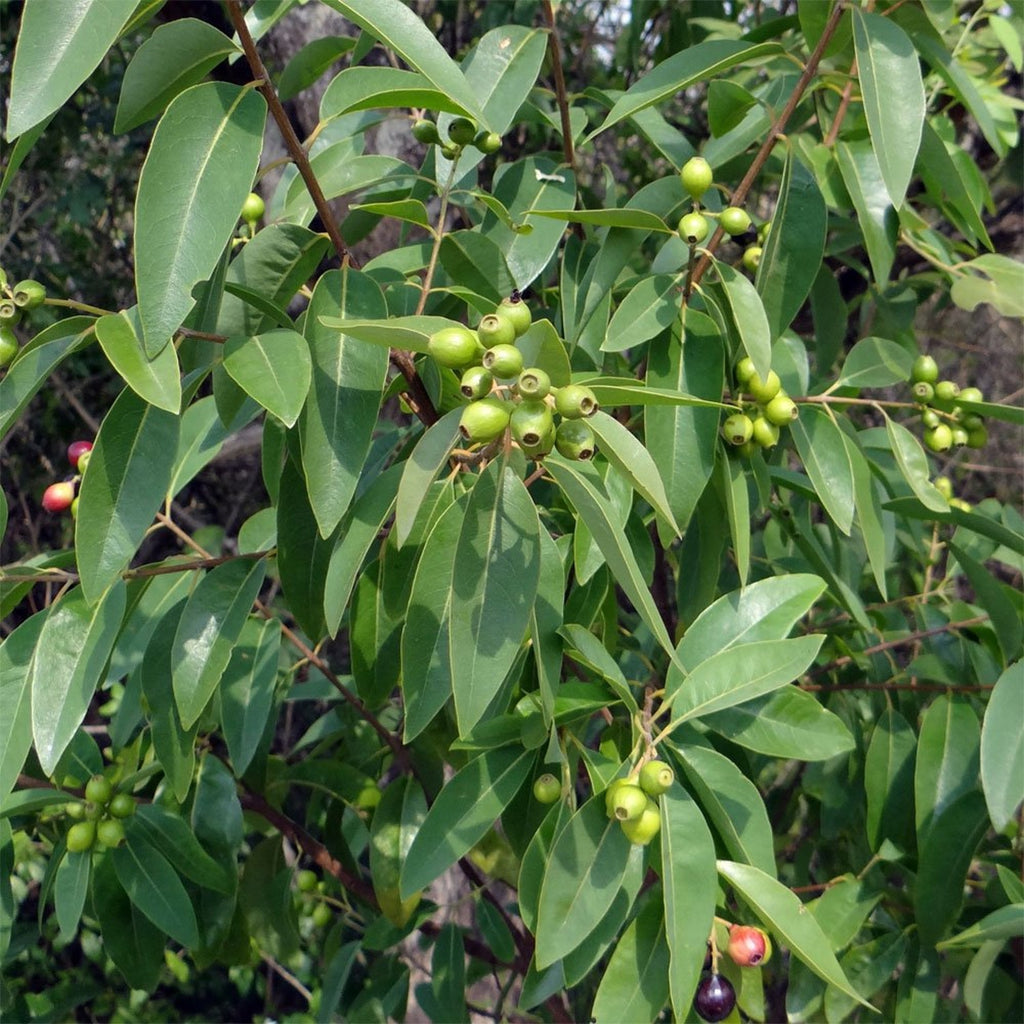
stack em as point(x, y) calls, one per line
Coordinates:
point(560, 93)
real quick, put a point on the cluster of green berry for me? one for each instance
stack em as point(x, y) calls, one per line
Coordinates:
point(748, 946)
point(760, 425)
point(14, 302)
point(947, 422)
point(697, 178)
point(63, 495)
point(100, 818)
point(462, 132)
point(506, 395)
point(310, 890)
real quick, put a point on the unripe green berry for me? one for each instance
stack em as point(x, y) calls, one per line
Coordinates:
point(83, 461)
point(629, 802)
point(923, 392)
point(476, 382)
point(959, 436)
point(781, 410)
point(484, 420)
point(518, 312)
point(453, 347)
point(487, 142)
point(98, 790)
point(29, 294)
point(253, 208)
point(964, 506)
point(946, 393)
point(425, 131)
point(322, 915)
point(547, 442)
point(656, 777)
point(944, 486)
point(547, 789)
point(738, 428)
point(94, 812)
point(8, 346)
point(305, 881)
point(575, 401)
point(530, 423)
point(81, 836)
point(697, 176)
point(121, 805)
point(734, 220)
point(609, 794)
point(765, 433)
point(693, 228)
point(939, 439)
point(763, 391)
point(924, 369)
point(75, 810)
point(744, 370)
point(970, 394)
point(752, 257)
point(970, 421)
point(462, 131)
point(930, 418)
point(575, 440)
point(977, 437)
point(110, 833)
point(640, 831)
point(505, 361)
point(449, 151)
point(9, 313)
point(534, 383)
point(496, 329)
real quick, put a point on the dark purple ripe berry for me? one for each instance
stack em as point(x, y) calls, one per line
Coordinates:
point(715, 998)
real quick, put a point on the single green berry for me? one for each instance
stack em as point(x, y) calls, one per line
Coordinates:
point(748, 946)
point(75, 810)
point(763, 391)
point(110, 833)
point(487, 142)
point(640, 831)
point(609, 794)
point(9, 313)
point(29, 294)
point(964, 506)
point(305, 881)
point(923, 392)
point(744, 370)
point(547, 442)
point(476, 382)
point(977, 438)
point(253, 208)
point(547, 789)
point(575, 440)
point(74, 508)
point(98, 790)
point(944, 486)
point(969, 421)
point(425, 131)
point(322, 915)
point(93, 812)
point(505, 361)
point(737, 428)
point(83, 461)
point(930, 418)
point(751, 258)
point(959, 436)
point(781, 410)
point(530, 423)
point(462, 131)
point(765, 433)
point(629, 802)
point(516, 310)
point(970, 394)
point(8, 346)
point(656, 777)
point(534, 383)
point(946, 393)
point(484, 420)
point(939, 439)
point(924, 369)
point(734, 220)
point(449, 151)
point(58, 497)
point(693, 228)
point(81, 836)
point(121, 805)
point(454, 347)
point(575, 401)
point(496, 329)
point(762, 231)
point(697, 176)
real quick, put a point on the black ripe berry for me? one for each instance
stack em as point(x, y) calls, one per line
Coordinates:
point(715, 998)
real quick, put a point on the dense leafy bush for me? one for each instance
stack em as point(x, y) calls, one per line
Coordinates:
point(612, 637)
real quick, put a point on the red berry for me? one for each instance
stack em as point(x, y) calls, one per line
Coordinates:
point(58, 497)
point(747, 945)
point(76, 449)
point(715, 998)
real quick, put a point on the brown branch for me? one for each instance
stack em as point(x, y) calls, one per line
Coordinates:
point(560, 94)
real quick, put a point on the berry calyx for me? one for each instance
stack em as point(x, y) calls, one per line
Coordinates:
point(81, 836)
point(696, 176)
point(484, 420)
point(575, 401)
point(640, 831)
point(763, 391)
point(305, 881)
point(738, 428)
point(575, 440)
point(504, 361)
point(748, 946)
point(110, 833)
point(453, 347)
point(781, 410)
point(734, 220)
point(8, 346)
point(609, 794)
point(629, 802)
point(253, 208)
point(462, 131)
point(121, 805)
point(656, 778)
point(426, 132)
point(547, 789)
point(9, 313)
point(715, 998)
point(518, 312)
point(28, 294)
point(693, 228)
point(58, 497)
point(534, 383)
point(751, 258)
point(496, 329)
point(925, 369)
point(530, 423)
point(487, 142)
point(76, 450)
point(476, 382)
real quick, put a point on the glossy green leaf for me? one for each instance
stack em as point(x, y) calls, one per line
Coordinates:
point(782, 912)
point(200, 167)
point(477, 263)
point(843, 907)
point(410, 210)
point(586, 649)
point(273, 368)
point(1004, 923)
point(464, 810)
point(502, 70)
point(72, 651)
point(155, 888)
point(201, 435)
point(247, 689)
point(156, 379)
point(334, 978)
point(216, 812)
point(177, 55)
point(421, 469)
point(129, 471)
point(309, 63)
point(690, 885)
point(70, 888)
point(58, 48)
point(822, 450)
point(868, 966)
point(1002, 747)
point(208, 630)
point(913, 464)
point(875, 363)
point(876, 216)
point(16, 699)
point(265, 896)
point(732, 804)
point(374, 637)
point(745, 314)
point(408, 332)
point(730, 476)
point(615, 218)
point(651, 305)
point(889, 781)
point(789, 723)
point(543, 348)
point(545, 622)
point(695, 64)
point(585, 869)
point(340, 174)
point(341, 411)
point(396, 820)
point(172, 836)
point(992, 278)
point(494, 583)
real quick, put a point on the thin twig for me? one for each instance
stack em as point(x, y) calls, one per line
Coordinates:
point(560, 94)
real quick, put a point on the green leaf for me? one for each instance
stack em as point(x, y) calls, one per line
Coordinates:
point(340, 174)
point(28, 801)
point(477, 263)
point(544, 349)
point(494, 584)
point(782, 912)
point(889, 781)
point(1004, 923)
point(1002, 748)
point(200, 167)
point(651, 305)
point(401, 30)
point(409, 332)
point(200, 440)
point(209, 628)
point(635, 985)
point(155, 888)
point(913, 464)
point(72, 652)
point(794, 246)
point(247, 689)
point(586, 649)
point(584, 872)
point(746, 316)
point(822, 450)
point(172, 836)
point(876, 217)
point(344, 399)
point(875, 363)
point(70, 887)
point(273, 368)
point(155, 380)
point(869, 966)
point(15, 699)
point(731, 802)
point(313, 60)
point(334, 978)
point(410, 210)
point(58, 48)
point(695, 64)
point(893, 97)
point(614, 218)
point(129, 471)
point(265, 896)
point(741, 673)
point(789, 723)
point(690, 887)
point(396, 820)
point(176, 56)
point(502, 70)
point(464, 810)
point(421, 469)
point(992, 278)
point(734, 492)
point(448, 974)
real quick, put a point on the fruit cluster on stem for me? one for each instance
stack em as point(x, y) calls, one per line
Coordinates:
point(945, 413)
point(760, 424)
point(63, 495)
point(15, 302)
point(100, 818)
point(633, 801)
point(462, 132)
